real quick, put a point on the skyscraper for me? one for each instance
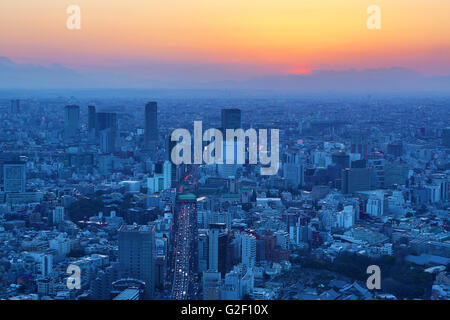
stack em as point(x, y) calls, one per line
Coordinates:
point(202, 251)
point(58, 215)
point(219, 257)
point(446, 137)
point(173, 171)
point(231, 119)
point(167, 173)
point(71, 122)
point(137, 254)
point(106, 120)
point(91, 119)
point(107, 129)
point(215, 231)
point(356, 179)
point(359, 144)
point(248, 250)
point(14, 179)
point(211, 285)
point(151, 126)
point(293, 170)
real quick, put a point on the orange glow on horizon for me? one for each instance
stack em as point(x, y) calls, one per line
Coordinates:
point(300, 70)
point(273, 36)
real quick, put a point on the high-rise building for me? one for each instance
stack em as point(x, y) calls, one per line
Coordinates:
point(216, 231)
point(211, 285)
point(151, 126)
point(101, 287)
point(395, 149)
point(341, 160)
point(231, 119)
point(376, 163)
point(248, 250)
point(58, 215)
point(167, 173)
point(44, 263)
point(395, 173)
point(107, 129)
point(155, 184)
point(356, 179)
point(231, 288)
point(106, 120)
point(202, 250)
point(71, 122)
point(293, 170)
point(213, 256)
point(14, 177)
point(346, 218)
point(137, 254)
point(446, 137)
point(359, 144)
point(173, 171)
point(92, 118)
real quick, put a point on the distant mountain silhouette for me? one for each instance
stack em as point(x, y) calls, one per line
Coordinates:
point(352, 80)
point(55, 76)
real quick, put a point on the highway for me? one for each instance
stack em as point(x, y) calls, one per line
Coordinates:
point(183, 274)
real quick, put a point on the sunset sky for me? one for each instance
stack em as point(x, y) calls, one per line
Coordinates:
point(260, 36)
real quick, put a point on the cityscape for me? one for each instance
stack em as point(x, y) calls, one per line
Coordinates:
point(93, 186)
point(232, 152)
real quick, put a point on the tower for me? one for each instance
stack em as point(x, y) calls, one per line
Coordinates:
point(107, 129)
point(215, 233)
point(167, 172)
point(71, 122)
point(91, 119)
point(231, 119)
point(151, 126)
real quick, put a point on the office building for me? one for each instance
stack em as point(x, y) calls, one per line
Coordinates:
point(211, 285)
point(203, 244)
point(136, 254)
point(293, 170)
point(231, 119)
point(58, 215)
point(167, 173)
point(14, 177)
point(395, 149)
point(151, 127)
point(376, 163)
point(346, 218)
point(446, 137)
point(71, 122)
point(341, 160)
point(107, 129)
point(217, 247)
point(248, 250)
point(359, 144)
point(356, 179)
point(92, 118)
